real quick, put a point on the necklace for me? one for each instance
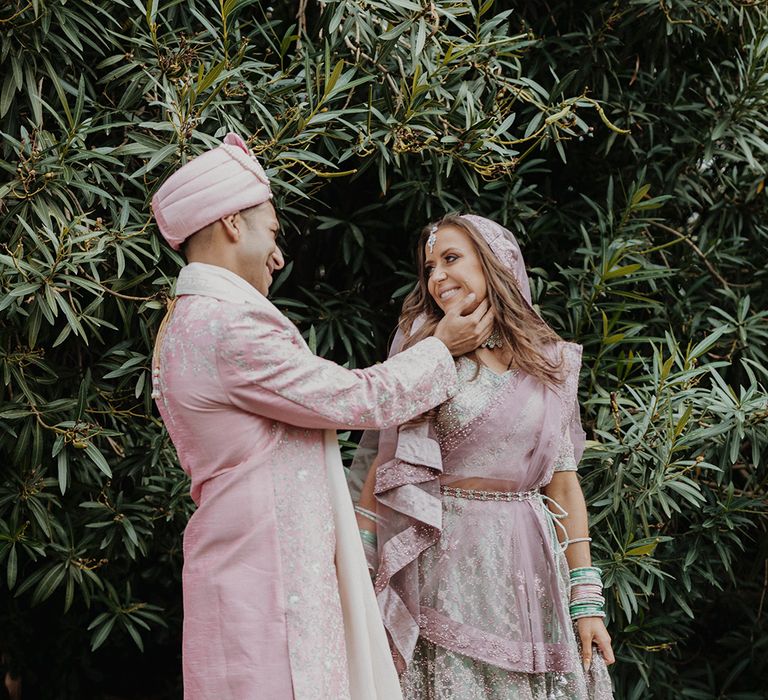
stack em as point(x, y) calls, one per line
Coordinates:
point(493, 340)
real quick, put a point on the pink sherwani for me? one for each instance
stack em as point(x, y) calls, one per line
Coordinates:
point(245, 402)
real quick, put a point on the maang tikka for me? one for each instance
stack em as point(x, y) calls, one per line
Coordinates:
point(432, 238)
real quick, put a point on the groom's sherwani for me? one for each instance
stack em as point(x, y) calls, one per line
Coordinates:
point(246, 404)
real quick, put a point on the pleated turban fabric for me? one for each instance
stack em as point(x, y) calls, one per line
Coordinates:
point(215, 184)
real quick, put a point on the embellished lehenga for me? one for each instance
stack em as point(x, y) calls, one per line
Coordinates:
point(473, 585)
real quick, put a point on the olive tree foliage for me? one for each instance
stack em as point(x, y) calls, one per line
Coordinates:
point(626, 144)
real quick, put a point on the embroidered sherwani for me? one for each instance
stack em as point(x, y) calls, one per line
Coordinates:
point(246, 403)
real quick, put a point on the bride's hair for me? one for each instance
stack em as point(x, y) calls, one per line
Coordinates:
point(527, 337)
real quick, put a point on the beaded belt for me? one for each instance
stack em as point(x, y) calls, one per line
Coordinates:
point(489, 495)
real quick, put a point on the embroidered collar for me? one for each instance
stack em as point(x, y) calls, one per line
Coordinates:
point(217, 282)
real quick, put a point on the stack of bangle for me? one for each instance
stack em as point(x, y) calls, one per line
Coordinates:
point(373, 517)
point(370, 541)
point(586, 593)
point(371, 549)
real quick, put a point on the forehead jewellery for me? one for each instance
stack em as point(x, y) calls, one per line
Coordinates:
point(432, 238)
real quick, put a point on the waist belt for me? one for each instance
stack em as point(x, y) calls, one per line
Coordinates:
point(555, 513)
point(476, 495)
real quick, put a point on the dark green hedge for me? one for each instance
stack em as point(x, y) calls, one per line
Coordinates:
point(625, 143)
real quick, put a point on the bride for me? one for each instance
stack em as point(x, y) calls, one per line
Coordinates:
point(473, 519)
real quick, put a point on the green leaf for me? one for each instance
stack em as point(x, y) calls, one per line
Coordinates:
point(11, 567)
point(210, 77)
point(62, 463)
point(97, 458)
point(49, 583)
point(683, 421)
point(332, 80)
point(130, 627)
point(622, 271)
point(644, 550)
point(130, 531)
point(101, 633)
point(640, 194)
point(158, 157)
point(7, 94)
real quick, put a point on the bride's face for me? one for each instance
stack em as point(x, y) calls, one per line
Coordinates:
point(453, 268)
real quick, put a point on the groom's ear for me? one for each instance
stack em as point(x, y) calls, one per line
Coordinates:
point(232, 226)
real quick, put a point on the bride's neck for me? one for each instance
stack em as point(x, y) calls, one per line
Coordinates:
point(497, 359)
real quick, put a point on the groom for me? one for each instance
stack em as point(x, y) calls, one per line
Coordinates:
point(275, 605)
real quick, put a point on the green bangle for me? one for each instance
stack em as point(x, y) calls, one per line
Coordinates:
point(368, 537)
point(585, 574)
point(588, 613)
point(586, 606)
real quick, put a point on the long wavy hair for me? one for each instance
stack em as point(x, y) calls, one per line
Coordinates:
point(525, 335)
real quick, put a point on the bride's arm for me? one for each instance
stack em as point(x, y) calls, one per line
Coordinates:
point(367, 504)
point(367, 499)
point(566, 490)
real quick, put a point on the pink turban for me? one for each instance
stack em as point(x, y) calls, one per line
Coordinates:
point(217, 183)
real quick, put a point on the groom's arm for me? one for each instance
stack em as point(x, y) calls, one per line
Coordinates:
point(268, 370)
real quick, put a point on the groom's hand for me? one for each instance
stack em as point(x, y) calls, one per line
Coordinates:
point(465, 326)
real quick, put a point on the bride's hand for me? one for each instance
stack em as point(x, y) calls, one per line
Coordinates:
point(592, 631)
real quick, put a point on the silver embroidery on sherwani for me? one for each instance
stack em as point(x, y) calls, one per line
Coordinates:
point(307, 545)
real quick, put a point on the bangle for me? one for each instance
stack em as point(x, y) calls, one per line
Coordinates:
point(586, 593)
point(370, 549)
point(587, 613)
point(585, 574)
point(577, 539)
point(367, 514)
point(368, 537)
